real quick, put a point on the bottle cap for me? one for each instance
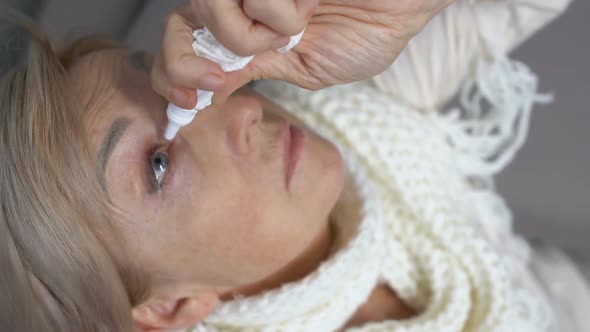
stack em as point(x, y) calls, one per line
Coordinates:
point(177, 118)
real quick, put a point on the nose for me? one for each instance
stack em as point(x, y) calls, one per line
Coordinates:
point(242, 115)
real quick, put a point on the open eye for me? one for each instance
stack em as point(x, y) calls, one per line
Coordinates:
point(159, 165)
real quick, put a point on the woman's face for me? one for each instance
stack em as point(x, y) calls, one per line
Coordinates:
point(228, 213)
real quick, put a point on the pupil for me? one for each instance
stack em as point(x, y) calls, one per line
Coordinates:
point(159, 161)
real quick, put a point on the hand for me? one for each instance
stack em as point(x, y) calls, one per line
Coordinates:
point(245, 27)
point(345, 41)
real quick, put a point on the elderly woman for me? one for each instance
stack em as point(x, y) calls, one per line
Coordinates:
point(279, 209)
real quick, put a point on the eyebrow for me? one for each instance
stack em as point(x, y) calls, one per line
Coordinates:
point(141, 60)
point(111, 139)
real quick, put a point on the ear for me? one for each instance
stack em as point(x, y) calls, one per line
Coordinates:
point(163, 315)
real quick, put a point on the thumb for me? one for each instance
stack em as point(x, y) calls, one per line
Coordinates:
point(268, 65)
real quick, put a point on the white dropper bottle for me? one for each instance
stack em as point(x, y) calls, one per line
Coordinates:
point(205, 45)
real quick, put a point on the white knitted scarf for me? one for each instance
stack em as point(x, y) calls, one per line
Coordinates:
point(401, 222)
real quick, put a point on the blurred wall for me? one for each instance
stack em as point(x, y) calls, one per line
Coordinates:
point(67, 20)
point(13, 40)
point(548, 184)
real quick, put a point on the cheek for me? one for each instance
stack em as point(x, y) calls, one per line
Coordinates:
point(322, 176)
point(230, 202)
point(242, 225)
point(240, 236)
point(130, 194)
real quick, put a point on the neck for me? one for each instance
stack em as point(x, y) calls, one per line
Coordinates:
point(308, 261)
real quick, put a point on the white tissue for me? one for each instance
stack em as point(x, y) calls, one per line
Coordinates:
point(206, 46)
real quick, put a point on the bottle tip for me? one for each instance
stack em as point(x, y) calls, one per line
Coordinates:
point(171, 131)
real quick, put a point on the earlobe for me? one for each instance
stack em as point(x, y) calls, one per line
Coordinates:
point(157, 315)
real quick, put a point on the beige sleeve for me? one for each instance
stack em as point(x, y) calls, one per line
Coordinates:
point(507, 23)
point(435, 62)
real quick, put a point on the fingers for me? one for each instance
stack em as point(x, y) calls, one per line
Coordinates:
point(181, 63)
point(246, 27)
point(287, 17)
point(268, 65)
point(232, 28)
point(177, 71)
point(183, 97)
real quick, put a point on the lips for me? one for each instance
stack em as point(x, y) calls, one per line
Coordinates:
point(293, 150)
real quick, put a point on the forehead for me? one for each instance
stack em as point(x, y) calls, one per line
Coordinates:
point(96, 75)
point(109, 84)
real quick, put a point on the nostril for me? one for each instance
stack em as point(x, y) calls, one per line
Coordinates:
point(240, 136)
point(249, 136)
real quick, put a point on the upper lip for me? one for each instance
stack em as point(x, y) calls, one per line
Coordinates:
point(286, 131)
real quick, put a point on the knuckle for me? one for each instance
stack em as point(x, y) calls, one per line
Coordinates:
point(175, 22)
point(185, 70)
point(292, 23)
point(161, 88)
point(173, 68)
point(297, 25)
point(156, 76)
point(243, 46)
point(304, 14)
point(284, 19)
point(158, 84)
point(251, 8)
point(169, 21)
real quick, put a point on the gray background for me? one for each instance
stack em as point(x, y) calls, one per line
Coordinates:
point(547, 185)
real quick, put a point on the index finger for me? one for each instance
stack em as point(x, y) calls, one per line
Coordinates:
point(178, 67)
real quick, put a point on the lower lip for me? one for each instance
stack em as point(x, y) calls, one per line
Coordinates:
point(293, 152)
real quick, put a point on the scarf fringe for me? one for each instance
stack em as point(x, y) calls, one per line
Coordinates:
point(493, 121)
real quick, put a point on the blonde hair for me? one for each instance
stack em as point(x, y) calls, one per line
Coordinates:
point(61, 268)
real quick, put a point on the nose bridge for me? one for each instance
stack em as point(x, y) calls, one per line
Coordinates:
point(240, 115)
point(241, 110)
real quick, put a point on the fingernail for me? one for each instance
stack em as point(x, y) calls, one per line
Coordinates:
point(280, 42)
point(183, 98)
point(210, 82)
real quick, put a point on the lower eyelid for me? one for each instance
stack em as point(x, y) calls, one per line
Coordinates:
point(168, 177)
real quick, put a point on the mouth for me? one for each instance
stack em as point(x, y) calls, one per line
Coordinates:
point(293, 139)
